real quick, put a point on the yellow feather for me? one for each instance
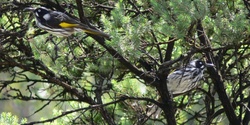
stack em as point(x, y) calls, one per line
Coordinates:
point(87, 30)
point(67, 25)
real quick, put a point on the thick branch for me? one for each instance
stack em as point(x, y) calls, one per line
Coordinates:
point(170, 48)
point(167, 102)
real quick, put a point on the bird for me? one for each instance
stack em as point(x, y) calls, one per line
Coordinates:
point(60, 24)
point(186, 78)
point(182, 81)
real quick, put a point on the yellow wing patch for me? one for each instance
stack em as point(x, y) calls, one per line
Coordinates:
point(67, 25)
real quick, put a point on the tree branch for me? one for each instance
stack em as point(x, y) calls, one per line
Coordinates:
point(217, 78)
point(51, 78)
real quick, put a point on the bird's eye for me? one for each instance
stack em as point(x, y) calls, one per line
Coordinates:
point(39, 10)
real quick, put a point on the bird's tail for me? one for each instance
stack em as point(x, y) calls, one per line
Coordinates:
point(94, 32)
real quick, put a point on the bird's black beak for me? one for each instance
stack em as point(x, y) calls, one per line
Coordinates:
point(210, 65)
point(29, 9)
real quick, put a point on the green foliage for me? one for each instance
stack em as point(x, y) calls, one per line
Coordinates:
point(6, 118)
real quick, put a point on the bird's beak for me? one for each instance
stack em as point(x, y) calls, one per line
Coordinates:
point(210, 65)
point(29, 9)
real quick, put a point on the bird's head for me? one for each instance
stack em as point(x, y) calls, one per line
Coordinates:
point(40, 12)
point(200, 64)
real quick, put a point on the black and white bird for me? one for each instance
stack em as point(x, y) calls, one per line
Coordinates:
point(60, 24)
point(182, 81)
point(187, 77)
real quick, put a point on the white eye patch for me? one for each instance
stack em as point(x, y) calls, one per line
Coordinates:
point(46, 16)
